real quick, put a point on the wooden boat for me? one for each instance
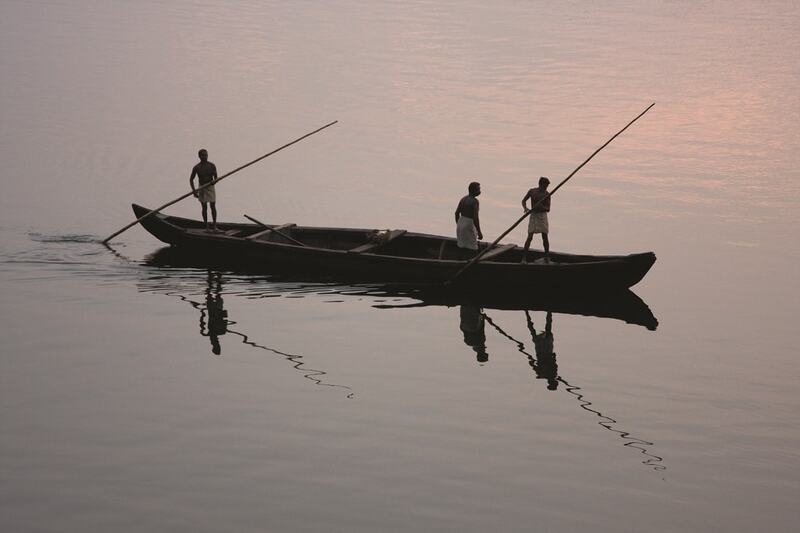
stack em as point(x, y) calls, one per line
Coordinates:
point(392, 256)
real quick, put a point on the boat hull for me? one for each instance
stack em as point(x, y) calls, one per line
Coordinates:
point(409, 259)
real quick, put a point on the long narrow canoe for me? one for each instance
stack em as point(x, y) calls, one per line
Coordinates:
point(392, 256)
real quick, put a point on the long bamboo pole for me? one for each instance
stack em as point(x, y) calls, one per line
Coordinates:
point(279, 232)
point(176, 200)
point(551, 193)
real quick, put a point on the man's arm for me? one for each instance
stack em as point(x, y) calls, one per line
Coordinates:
point(529, 320)
point(458, 209)
point(525, 200)
point(477, 219)
point(191, 181)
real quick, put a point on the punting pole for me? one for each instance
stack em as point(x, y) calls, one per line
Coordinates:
point(279, 232)
point(551, 193)
point(176, 200)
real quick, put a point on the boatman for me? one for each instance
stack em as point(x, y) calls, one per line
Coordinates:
point(537, 221)
point(468, 226)
point(206, 172)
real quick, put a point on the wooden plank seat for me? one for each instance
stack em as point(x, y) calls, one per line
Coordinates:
point(371, 246)
point(496, 251)
point(203, 231)
point(276, 229)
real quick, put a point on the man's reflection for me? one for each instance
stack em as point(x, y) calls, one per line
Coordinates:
point(545, 364)
point(213, 318)
point(472, 325)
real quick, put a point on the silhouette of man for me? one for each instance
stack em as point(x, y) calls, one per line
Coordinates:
point(206, 172)
point(468, 225)
point(217, 315)
point(545, 364)
point(472, 325)
point(537, 221)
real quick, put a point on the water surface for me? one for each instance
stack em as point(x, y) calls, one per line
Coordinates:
point(137, 395)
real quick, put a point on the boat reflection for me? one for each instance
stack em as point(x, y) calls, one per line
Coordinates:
point(620, 305)
point(473, 318)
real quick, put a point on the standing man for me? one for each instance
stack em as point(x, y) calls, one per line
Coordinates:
point(468, 225)
point(206, 172)
point(537, 221)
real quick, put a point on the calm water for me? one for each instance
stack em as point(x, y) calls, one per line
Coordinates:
point(136, 396)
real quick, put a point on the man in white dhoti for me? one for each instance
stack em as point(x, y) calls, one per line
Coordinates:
point(468, 226)
point(206, 172)
point(537, 221)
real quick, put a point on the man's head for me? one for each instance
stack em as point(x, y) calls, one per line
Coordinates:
point(203, 154)
point(474, 188)
point(543, 182)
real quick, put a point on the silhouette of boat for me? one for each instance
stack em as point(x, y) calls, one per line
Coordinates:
point(392, 256)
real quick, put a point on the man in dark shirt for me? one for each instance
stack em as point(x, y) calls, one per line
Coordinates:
point(206, 172)
point(537, 221)
point(468, 225)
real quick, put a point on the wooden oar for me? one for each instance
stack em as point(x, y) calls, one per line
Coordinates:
point(176, 200)
point(279, 232)
point(551, 193)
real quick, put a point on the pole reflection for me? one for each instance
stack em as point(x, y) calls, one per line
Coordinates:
point(544, 366)
point(214, 321)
